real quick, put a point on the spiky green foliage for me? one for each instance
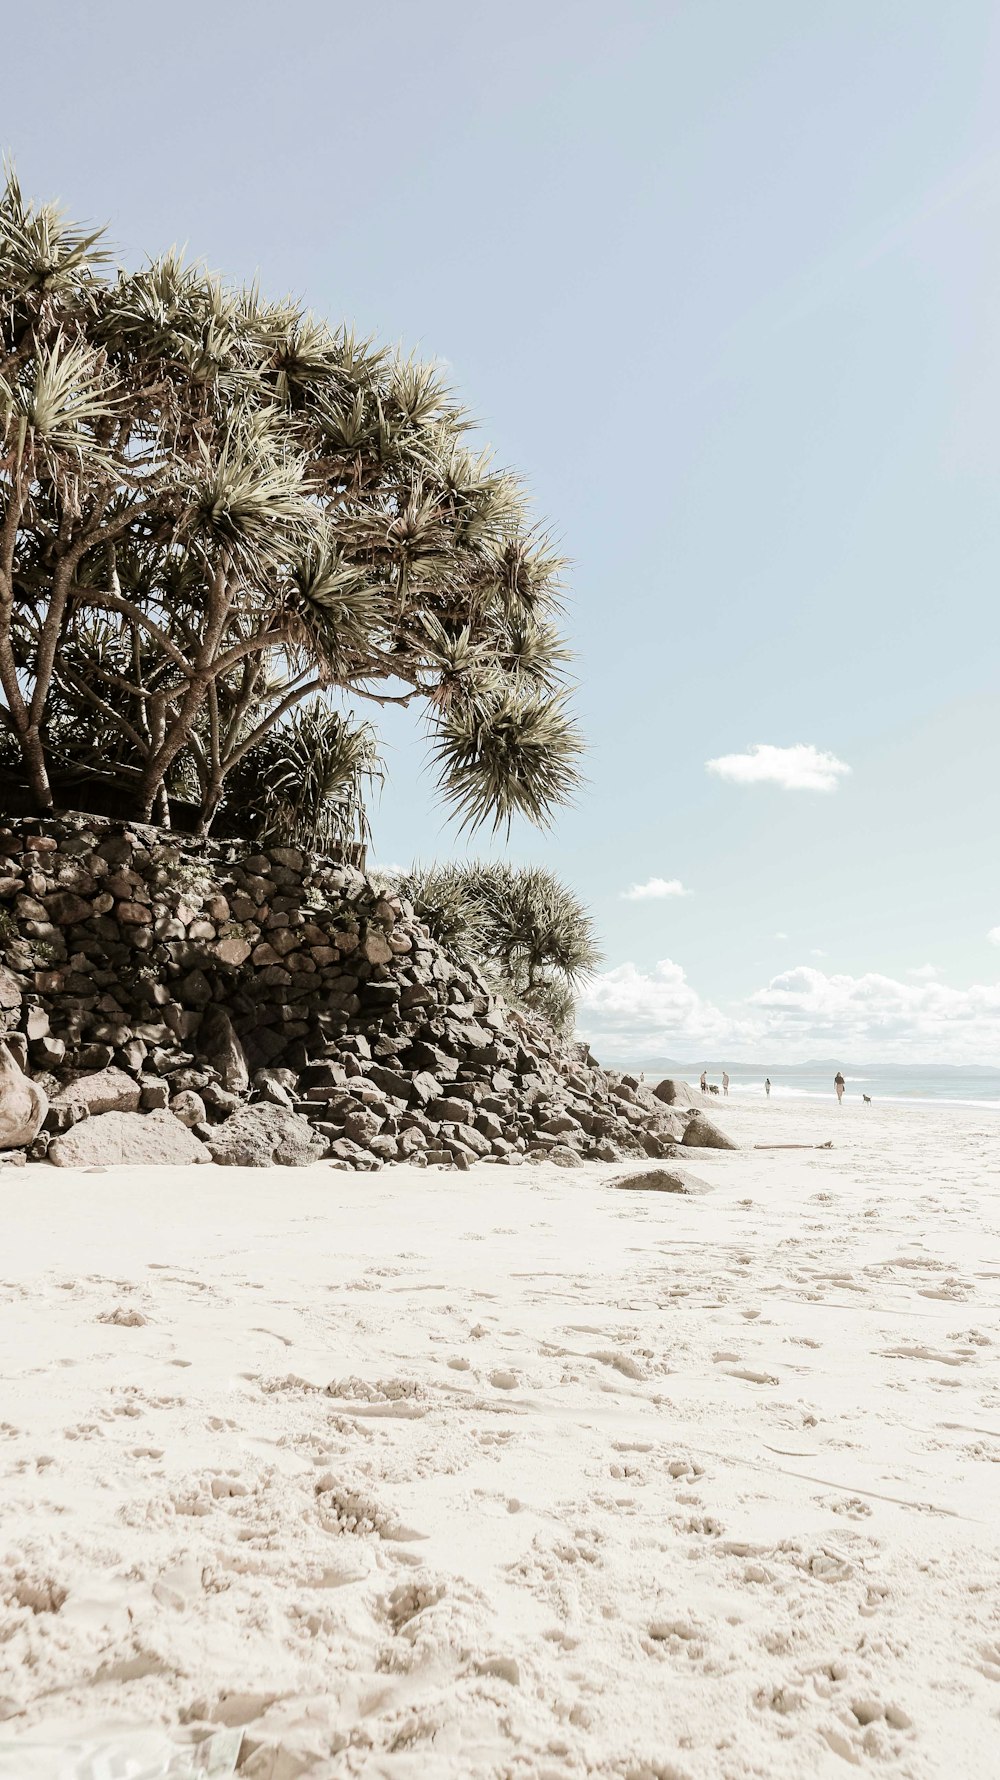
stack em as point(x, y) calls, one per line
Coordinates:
point(530, 931)
point(306, 783)
point(215, 508)
point(441, 898)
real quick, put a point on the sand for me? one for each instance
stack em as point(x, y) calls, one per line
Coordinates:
point(510, 1473)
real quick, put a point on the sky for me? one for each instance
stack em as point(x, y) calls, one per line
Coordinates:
point(720, 281)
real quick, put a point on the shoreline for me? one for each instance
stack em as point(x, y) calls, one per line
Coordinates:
point(427, 1472)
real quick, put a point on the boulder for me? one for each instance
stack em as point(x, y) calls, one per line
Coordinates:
point(110, 1090)
point(559, 1153)
point(671, 1126)
point(10, 991)
point(701, 1134)
point(189, 1107)
point(23, 1105)
point(219, 1046)
point(143, 1140)
point(674, 1093)
point(661, 1180)
point(266, 1136)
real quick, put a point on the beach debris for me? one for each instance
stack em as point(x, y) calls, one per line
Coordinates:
point(141, 1139)
point(701, 1134)
point(23, 1105)
point(794, 1146)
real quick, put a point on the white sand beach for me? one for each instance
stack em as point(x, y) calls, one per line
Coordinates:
point(511, 1474)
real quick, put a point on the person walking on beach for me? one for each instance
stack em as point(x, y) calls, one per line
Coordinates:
point(703, 1084)
point(725, 1083)
point(840, 1084)
point(767, 1087)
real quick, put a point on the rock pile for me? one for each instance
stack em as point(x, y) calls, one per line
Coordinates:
point(276, 1007)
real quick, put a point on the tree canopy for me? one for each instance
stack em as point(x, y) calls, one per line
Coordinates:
point(218, 511)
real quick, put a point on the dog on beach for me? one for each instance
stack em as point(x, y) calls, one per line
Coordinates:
point(867, 1099)
point(713, 1087)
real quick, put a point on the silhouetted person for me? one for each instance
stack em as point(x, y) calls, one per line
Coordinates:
point(767, 1087)
point(703, 1084)
point(840, 1084)
point(725, 1083)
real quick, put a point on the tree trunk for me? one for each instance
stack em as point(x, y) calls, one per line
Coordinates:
point(33, 755)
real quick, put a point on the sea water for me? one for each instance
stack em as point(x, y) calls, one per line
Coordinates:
point(916, 1083)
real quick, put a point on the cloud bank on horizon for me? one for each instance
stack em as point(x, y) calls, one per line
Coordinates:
point(798, 768)
point(627, 1013)
point(654, 889)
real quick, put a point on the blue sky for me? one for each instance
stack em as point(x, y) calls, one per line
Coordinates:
point(721, 280)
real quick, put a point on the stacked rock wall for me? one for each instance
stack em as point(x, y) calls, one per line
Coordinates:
point(211, 978)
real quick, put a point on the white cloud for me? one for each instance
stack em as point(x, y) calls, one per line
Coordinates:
point(802, 1013)
point(799, 768)
point(654, 888)
point(994, 936)
point(781, 936)
point(817, 952)
point(923, 972)
point(627, 1009)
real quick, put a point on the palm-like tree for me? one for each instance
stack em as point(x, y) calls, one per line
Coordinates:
point(521, 922)
point(214, 509)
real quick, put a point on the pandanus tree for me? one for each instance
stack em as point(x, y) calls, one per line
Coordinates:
point(522, 922)
point(216, 511)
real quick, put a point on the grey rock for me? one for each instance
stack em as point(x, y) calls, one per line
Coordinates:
point(94, 1057)
point(559, 1124)
point(10, 991)
point(110, 1090)
point(23, 1105)
point(390, 1081)
point(346, 1154)
point(17, 1045)
point(219, 1100)
point(218, 1045)
point(361, 1125)
point(139, 1139)
point(48, 1052)
point(469, 1138)
point(559, 1153)
point(450, 1111)
point(701, 1134)
point(675, 1093)
point(189, 1107)
point(661, 1180)
point(265, 1136)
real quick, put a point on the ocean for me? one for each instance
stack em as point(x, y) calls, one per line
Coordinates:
point(919, 1084)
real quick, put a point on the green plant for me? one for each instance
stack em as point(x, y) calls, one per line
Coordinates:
point(307, 782)
point(527, 928)
point(216, 510)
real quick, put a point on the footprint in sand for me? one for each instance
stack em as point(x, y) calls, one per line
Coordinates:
point(915, 1351)
point(622, 1363)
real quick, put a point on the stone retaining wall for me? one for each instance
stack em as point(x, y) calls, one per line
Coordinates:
point(211, 977)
